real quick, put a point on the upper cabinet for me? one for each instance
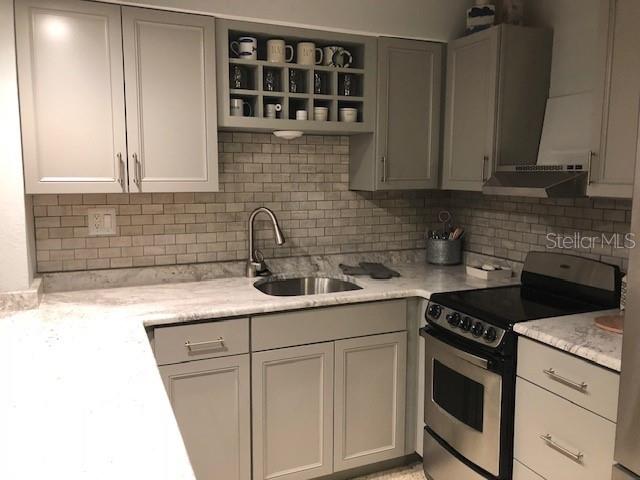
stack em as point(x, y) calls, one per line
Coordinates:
point(272, 77)
point(404, 152)
point(616, 102)
point(497, 86)
point(169, 61)
point(72, 97)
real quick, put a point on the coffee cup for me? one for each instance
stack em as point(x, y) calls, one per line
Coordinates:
point(301, 115)
point(320, 114)
point(237, 107)
point(271, 110)
point(336, 56)
point(277, 51)
point(245, 48)
point(308, 54)
point(348, 115)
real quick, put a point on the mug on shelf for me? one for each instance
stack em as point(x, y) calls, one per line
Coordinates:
point(271, 110)
point(237, 107)
point(348, 114)
point(276, 51)
point(301, 115)
point(336, 56)
point(308, 54)
point(245, 48)
point(321, 114)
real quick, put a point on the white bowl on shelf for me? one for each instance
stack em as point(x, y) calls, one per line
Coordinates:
point(348, 114)
point(320, 114)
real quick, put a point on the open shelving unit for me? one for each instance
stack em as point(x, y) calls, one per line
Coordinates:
point(267, 82)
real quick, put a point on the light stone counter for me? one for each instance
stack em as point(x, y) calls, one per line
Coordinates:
point(82, 397)
point(577, 334)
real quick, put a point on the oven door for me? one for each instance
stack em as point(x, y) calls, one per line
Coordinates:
point(463, 400)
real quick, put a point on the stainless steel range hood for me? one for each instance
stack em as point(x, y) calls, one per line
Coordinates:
point(540, 181)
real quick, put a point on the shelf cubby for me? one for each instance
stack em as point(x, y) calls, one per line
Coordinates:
point(265, 82)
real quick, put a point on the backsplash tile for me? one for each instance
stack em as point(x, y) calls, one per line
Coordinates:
point(509, 227)
point(304, 181)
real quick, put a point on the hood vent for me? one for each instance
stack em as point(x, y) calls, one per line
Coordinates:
point(540, 181)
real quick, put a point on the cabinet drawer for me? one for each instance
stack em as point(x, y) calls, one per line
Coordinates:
point(326, 324)
point(579, 443)
point(183, 343)
point(563, 374)
point(520, 472)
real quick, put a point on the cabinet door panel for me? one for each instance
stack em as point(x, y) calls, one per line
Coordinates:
point(409, 113)
point(171, 102)
point(616, 111)
point(369, 399)
point(472, 66)
point(293, 412)
point(71, 96)
point(211, 401)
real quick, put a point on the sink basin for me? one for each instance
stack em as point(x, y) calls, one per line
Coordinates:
point(287, 287)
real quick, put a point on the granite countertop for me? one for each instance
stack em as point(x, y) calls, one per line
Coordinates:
point(578, 334)
point(83, 398)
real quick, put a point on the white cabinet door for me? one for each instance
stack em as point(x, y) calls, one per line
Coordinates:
point(370, 381)
point(470, 113)
point(211, 401)
point(171, 101)
point(617, 102)
point(293, 412)
point(71, 96)
point(409, 80)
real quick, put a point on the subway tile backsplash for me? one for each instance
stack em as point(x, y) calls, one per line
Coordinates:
point(306, 183)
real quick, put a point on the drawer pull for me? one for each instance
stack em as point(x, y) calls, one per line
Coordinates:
point(581, 386)
point(218, 343)
point(576, 456)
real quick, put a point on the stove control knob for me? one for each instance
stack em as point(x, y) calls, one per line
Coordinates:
point(453, 319)
point(465, 324)
point(490, 334)
point(434, 311)
point(478, 329)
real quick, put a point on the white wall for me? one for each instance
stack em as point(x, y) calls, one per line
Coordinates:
point(439, 20)
point(16, 223)
point(575, 40)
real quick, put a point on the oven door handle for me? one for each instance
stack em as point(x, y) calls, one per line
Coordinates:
point(470, 358)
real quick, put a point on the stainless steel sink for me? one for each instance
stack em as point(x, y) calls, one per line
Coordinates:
point(287, 287)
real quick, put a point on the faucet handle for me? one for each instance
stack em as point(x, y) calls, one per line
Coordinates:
point(262, 270)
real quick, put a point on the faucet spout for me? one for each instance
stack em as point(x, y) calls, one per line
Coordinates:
point(252, 263)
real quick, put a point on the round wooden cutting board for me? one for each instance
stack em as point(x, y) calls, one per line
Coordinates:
point(611, 323)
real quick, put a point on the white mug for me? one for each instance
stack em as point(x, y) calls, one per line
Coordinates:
point(301, 115)
point(336, 56)
point(237, 107)
point(320, 114)
point(276, 51)
point(307, 54)
point(271, 109)
point(245, 48)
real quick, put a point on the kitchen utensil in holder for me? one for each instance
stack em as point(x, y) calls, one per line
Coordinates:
point(444, 251)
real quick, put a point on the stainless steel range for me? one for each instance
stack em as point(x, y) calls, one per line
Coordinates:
point(470, 355)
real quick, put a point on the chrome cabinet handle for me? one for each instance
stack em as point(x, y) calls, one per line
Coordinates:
point(485, 161)
point(121, 171)
point(576, 456)
point(191, 345)
point(580, 386)
point(590, 161)
point(137, 168)
point(384, 168)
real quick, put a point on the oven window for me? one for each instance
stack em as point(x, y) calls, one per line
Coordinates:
point(460, 396)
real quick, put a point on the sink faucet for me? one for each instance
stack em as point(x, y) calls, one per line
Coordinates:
point(255, 262)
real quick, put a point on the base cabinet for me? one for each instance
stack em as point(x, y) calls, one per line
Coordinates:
point(293, 412)
point(370, 376)
point(211, 402)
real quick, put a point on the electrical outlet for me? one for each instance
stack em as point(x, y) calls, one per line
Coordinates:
point(101, 221)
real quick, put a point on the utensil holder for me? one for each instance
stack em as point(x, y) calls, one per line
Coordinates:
point(444, 252)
